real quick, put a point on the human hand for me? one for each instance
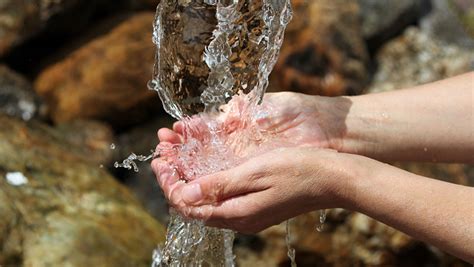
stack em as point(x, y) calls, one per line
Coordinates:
point(261, 192)
point(301, 119)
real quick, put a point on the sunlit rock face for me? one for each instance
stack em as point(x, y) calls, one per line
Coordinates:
point(58, 207)
point(324, 52)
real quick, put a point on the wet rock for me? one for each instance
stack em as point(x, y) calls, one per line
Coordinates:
point(105, 79)
point(416, 58)
point(68, 211)
point(382, 20)
point(17, 97)
point(22, 19)
point(323, 52)
point(446, 25)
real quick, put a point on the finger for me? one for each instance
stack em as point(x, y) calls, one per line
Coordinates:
point(223, 185)
point(237, 214)
point(178, 127)
point(229, 209)
point(166, 176)
point(167, 135)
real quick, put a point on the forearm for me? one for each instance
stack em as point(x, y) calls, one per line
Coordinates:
point(433, 122)
point(433, 211)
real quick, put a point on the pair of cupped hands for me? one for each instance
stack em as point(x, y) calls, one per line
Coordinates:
point(272, 187)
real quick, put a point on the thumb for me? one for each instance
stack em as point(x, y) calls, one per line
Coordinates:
point(217, 187)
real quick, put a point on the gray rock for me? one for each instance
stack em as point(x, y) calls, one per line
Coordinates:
point(22, 19)
point(416, 58)
point(444, 24)
point(383, 19)
point(17, 97)
point(59, 208)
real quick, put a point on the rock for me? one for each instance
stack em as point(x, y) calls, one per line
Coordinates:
point(22, 19)
point(140, 4)
point(17, 97)
point(90, 140)
point(67, 211)
point(416, 58)
point(323, 52)
point(105, 79)
point(465, 10)
point(382, 20)
point(445, 24)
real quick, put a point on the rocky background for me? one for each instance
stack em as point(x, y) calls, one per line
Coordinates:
point(73, 100)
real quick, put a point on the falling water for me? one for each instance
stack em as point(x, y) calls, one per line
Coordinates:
point(213, 56)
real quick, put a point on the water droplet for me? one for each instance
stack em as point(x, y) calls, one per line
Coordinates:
point(322, 220)
point(291, 251)
point(101, 166)
point(112, 146)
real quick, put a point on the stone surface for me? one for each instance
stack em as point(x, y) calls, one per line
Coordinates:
point(445, 24)
point(70, 212)
point(323, 52)
point(382, 20)
point(105, 79)
point(465, 10)
point(148, 4)
point(416, 58)
point(22, 19)
point(17, 97)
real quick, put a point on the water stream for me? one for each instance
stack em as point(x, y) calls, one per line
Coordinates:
point(212, 65)
point(208, 51)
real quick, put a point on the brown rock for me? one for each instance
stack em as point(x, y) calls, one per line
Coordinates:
point(59, 208)
point(17, 97)
point(323, 52)
point(149, 4)
point(106, 79)
point(22, 19)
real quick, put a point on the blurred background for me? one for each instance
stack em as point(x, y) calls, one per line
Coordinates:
point(73, 100)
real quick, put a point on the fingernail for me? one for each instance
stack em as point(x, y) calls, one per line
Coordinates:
point(192, 193)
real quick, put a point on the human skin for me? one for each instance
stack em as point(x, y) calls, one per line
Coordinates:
point(433, 122)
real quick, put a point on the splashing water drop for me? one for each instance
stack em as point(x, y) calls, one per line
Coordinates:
point(322, 220)
point(129, 163)
point(291, 251)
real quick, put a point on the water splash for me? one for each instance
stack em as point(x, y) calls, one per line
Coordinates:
point(207, 52)
point(322, 220)
point(131, 162)
point(291, 251)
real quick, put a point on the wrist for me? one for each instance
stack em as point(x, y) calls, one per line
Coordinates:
point(332, 113)
point(336, 178)
point(354, 178)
